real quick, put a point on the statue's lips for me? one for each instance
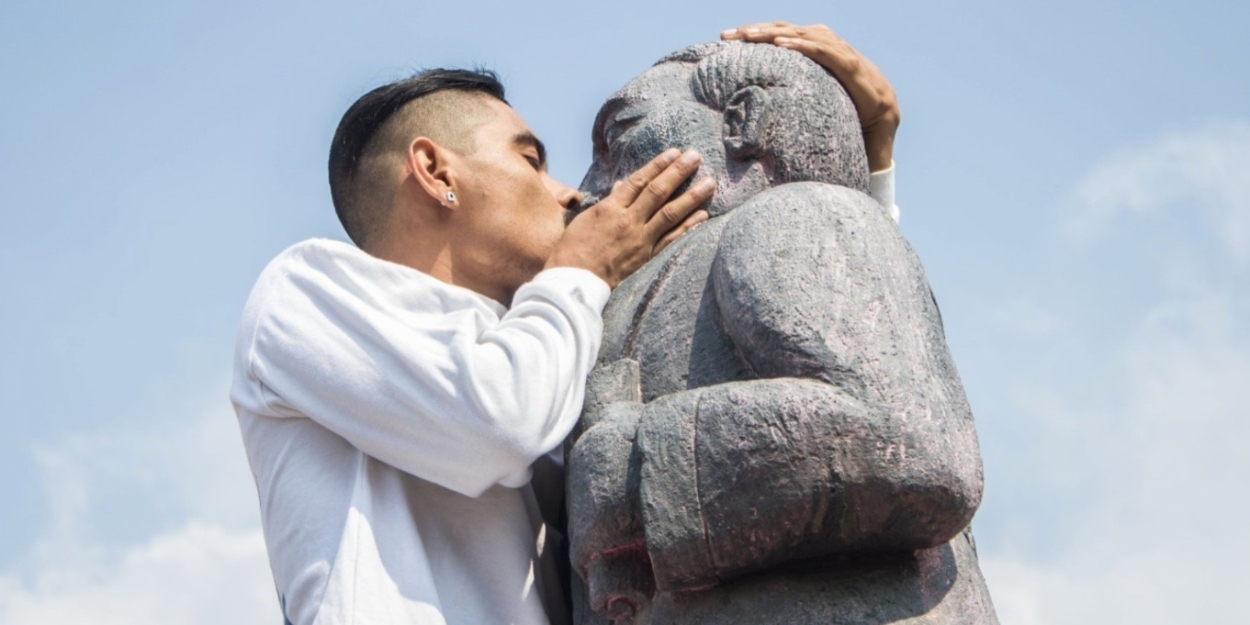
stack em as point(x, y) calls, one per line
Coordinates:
point(588, 199)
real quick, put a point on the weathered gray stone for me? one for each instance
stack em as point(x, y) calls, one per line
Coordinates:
point(775, 432)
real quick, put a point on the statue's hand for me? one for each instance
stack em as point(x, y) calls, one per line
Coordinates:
point(872, 94)
point(621, 585)
point(607, 543)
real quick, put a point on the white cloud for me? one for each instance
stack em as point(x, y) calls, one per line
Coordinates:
point(1158, 536)
point(1206, 170)
point(185, 548)
point(1139, 451)
point(1161, 584)
point(199, 575)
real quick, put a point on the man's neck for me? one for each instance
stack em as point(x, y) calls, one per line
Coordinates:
point(435, 258)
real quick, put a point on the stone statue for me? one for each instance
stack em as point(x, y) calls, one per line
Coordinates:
point(775, 432)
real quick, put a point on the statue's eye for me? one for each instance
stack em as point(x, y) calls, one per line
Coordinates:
point(619, 126)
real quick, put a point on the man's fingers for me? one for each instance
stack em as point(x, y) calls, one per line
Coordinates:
point(839, 59)
point(748, 30)
point(874, 98)
point(817, 42)
point(869, 90)
point(633, 185)
point(675, 213)
point(805, 46)
point(693, 220)
point(657, 192)
point(767, 33)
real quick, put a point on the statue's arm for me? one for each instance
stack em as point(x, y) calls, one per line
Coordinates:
point(857, 437)
point(743, 476)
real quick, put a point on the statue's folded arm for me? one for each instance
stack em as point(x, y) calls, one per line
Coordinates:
point(742, 476)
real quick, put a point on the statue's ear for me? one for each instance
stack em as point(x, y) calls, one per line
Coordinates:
point(745, 118)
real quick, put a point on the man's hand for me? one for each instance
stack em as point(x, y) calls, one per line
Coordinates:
point(627, 228)
point(872, 94)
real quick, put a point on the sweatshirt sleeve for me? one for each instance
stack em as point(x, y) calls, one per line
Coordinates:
point(442, 390)
point(881, 189)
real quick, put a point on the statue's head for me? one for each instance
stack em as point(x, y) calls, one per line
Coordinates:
point(760, 115)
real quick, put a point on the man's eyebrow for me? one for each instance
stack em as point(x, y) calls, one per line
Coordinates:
point(528, 140)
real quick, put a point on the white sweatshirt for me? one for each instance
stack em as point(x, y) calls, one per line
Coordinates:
point(390, 420)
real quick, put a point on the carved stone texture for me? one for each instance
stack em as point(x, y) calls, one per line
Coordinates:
point(775, 432)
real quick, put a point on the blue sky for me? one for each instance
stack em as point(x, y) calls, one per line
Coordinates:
point(1074, 175)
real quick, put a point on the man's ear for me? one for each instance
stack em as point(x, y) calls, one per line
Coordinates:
point(432, 167)
point(745, 119)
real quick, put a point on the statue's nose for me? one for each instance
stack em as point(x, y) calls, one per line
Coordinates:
point(588, 199)
point(597, 183)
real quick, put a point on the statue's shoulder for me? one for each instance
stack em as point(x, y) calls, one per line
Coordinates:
point(808, 248)
point(806, 213)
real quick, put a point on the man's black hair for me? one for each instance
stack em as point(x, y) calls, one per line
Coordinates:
point(361, 122)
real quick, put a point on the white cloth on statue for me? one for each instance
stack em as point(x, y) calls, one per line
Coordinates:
point(881, 188)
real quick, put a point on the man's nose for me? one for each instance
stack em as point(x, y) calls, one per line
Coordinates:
point(568, 197)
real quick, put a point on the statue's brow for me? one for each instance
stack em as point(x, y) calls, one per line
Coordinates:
point(611, 108)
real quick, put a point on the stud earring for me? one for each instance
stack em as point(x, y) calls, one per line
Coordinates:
point(451, 197)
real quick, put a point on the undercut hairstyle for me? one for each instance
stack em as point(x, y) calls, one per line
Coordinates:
point(837, 154)
point(445, 105)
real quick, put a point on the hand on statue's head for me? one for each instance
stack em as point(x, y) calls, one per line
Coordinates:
point(872, 94)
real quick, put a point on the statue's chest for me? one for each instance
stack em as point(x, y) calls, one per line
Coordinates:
point(665, 317)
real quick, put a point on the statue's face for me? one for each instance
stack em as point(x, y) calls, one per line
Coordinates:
point(765, 116)
point(654, 112)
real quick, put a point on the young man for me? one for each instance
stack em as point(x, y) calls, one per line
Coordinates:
point(393, 395)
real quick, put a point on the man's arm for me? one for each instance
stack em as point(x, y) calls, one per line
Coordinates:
point(423, 376)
